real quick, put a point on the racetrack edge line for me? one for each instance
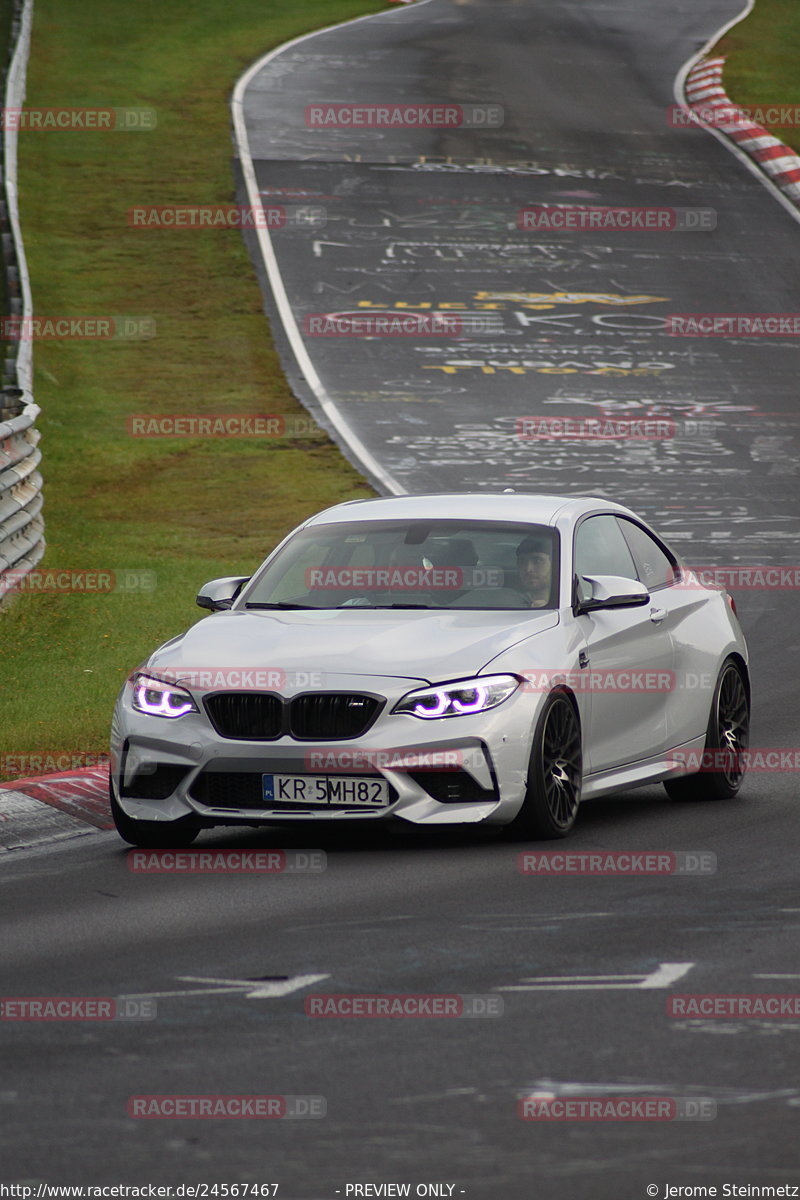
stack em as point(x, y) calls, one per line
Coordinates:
point(357, 448)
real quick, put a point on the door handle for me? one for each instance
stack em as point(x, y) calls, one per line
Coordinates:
point(657, 614)
point(583, 659)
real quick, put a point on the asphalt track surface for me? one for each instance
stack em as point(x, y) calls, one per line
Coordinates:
point(584, 87)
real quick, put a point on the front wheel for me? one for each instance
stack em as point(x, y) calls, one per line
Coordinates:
point(726, 740)
point(555, 773)
point(152, 835)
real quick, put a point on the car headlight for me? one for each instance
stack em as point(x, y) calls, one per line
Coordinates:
point(460, 699)
point(160, 699)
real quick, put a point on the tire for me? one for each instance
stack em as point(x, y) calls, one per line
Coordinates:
point(156, 835)
point(728, 729)
point(554, 775)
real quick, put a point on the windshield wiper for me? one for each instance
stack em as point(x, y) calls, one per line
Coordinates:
point(280, 604)
point(427, 606)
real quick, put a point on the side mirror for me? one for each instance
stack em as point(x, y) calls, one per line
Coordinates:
point(219, 594)
point(611, 591)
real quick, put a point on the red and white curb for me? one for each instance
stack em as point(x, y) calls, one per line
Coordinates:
point(707, 99)
point(53, 807)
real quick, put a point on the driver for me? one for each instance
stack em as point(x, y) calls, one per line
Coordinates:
point(535, 568)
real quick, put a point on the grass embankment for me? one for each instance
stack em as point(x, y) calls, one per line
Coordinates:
point(188, 510)
point(761, 68)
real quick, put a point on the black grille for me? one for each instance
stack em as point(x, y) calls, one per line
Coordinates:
point(249, 716)
point(452, 787)
point(155, 781)
point(263, 717)
point(327, 715)
point(244, 790)
point(237, 790)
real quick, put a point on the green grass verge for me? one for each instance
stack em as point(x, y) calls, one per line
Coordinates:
point(188, 510)
point(761, 68)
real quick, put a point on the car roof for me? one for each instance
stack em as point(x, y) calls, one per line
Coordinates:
point(526, 508)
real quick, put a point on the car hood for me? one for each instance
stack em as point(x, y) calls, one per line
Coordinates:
point(407, 644)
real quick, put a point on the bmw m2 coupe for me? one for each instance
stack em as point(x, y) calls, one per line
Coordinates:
point(437, 659)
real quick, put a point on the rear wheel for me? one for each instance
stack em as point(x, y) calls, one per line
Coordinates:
point(161, 835)
point(554, 775)
point(726, 740)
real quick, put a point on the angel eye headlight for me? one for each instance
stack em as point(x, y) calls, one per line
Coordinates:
point(160, 699)
point(463, 698)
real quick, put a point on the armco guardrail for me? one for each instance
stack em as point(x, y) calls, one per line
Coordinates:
point(21, 524)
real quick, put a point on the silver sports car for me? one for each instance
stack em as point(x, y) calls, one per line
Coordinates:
point(437, 659)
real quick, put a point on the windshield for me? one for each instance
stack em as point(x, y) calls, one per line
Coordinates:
point(436, 564)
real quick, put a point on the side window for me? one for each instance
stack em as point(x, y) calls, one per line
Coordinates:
point(600, 549)
point(655, 568)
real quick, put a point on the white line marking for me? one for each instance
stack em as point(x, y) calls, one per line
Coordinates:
point(328, 406)
point(254, 989)
point(578, 978)
point(666, 974)
point(662, 977)
point(262, 989)
point(183, 992)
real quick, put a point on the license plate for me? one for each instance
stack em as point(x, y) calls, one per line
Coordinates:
point(356, 791)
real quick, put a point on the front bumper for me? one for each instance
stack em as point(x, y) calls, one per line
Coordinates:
point(453, 770)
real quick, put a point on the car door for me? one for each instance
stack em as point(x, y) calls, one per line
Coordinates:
point(680, 610)
point(630, 657)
